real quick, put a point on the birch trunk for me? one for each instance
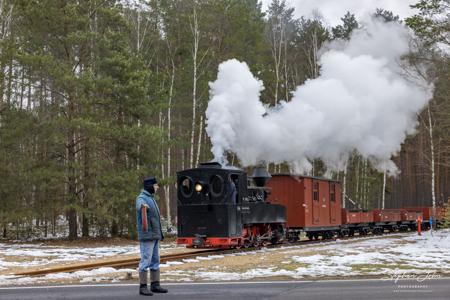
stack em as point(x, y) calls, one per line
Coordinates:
point(5, 22)
point(286, 77)
point(344, 186)
point(433, 173)
point(366, 185)
point(183, 159)
point(363, 184)
point(199, 143)
point(315, 54)
point(169, 137)
point(276, 55)
point(383, 195)
point(195, 34)
point(356, 195)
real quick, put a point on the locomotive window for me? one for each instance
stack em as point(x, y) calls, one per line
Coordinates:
point(216, 184)
point(235, 180)
point(186, 187)
point(316, 191)
point(333, 192)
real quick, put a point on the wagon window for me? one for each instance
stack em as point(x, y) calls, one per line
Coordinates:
point(332, 192)
point(316, 191)
point(235, 179)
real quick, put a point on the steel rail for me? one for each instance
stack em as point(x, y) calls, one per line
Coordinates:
point(134, 261)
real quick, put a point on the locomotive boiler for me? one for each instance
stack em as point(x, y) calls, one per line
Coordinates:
point(220, 207)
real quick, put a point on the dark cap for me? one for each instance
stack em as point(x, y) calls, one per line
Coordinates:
point(150, 181)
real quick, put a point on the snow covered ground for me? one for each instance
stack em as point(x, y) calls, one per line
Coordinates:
point(391, 255)
point(17, 257)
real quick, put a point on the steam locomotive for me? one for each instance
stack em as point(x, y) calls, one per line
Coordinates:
point(216, 208)
point(220, 207)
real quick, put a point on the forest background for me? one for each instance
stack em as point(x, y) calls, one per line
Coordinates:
point(95, 95)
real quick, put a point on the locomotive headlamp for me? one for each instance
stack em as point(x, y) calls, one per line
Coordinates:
point(198, 187)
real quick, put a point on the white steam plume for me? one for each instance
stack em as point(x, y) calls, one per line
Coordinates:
point(360, 102)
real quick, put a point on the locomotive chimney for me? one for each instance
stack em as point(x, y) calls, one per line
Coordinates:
point(260, 175)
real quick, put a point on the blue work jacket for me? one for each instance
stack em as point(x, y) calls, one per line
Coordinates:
point(154, 231)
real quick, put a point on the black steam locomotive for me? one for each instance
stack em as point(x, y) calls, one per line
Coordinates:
point(220, 207)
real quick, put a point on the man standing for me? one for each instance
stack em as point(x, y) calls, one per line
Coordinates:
point(150, 235)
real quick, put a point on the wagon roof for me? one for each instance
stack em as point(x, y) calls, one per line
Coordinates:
point(304, 176)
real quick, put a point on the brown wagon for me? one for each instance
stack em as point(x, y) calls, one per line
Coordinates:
point(351, 216)
point(411, 215)
point(386, 215)
point(313, 204)
point(386, 219)
point(427, 212)
point(366, 217)
point(356, 220)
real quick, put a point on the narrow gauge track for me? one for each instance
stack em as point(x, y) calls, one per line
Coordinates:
point(127, 262)
point(134, 261)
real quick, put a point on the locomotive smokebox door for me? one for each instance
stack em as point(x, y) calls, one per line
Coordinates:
point(208, 201)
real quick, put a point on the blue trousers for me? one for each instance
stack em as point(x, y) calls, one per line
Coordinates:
point(149, 256)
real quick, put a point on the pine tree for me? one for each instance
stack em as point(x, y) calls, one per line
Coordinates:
point(446, 214)
point(345, 30)
point(386, 15)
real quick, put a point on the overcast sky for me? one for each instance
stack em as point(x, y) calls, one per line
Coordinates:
point(333, 10)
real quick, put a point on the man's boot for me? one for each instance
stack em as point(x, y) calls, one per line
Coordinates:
point(154, 277)
point(143, 290)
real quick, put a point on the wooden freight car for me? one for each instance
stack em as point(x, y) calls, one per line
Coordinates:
point(356, 221)
point(409, 219)
point(313, 204)
point(386, 219)
point(427, 213)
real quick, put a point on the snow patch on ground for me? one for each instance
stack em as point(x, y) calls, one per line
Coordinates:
point(42, 255)
point(381, 256)
point(32, 255)
point(389, 255)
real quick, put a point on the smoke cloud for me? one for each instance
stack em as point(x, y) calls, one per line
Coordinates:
point(361, 102)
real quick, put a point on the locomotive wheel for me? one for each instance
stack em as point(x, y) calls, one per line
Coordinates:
point(293, 239)
point(316, 236)
point(277, 236)
point(274, 240)
point(310, 236)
